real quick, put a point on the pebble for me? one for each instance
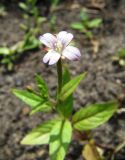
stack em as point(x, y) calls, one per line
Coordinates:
point(18, 82)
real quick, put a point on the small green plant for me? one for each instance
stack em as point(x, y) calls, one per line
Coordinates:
point(33, 21)
point(59, 130)
point(11, 54)
point(120, 58)
point(31, 16)
point(31, 27)
point(86, 25)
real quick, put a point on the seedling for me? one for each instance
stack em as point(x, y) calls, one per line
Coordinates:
point(32, 19)
point(31, 16)
point(32, 26)
point(86, 25)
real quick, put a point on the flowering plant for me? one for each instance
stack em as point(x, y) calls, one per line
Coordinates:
point(59, 130)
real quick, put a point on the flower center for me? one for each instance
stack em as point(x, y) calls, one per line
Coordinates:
point(59, 46)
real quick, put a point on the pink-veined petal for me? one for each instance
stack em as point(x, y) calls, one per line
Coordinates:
point(72, 53)
point(51, 57)
point(64, 37)
point(48, 40)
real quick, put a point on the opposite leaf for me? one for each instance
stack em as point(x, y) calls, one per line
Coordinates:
point(44, 107)
point(32, 99)
point(78, 26)
point(39, 135)
point(4, 51)
point(94, 115)
point(23, 6)
point(42, 86)
point(60, 138)
point(28, 97)
point(69, 87)
point(95, 23)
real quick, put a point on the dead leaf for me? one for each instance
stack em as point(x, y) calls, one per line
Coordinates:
point(90, 151)
point(99, 4)
point(96, 45)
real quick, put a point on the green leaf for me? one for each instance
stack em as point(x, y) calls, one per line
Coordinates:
point(60, 138)
point(39, 135)
point(54, 2)
point(89, 34)
point(33, 100)
point(44, 107)
point(69, 87)
point(32, 2)
point(95, 23)
point(93, 115)
point(84, 16)
point(28, 97)
point(23, 6)
point(4, 51)
point(121, 53)
point(41, 19)
point(42, 86)
point(78, 26)
point(65, 107)
point(31, 44)
point(66, 75)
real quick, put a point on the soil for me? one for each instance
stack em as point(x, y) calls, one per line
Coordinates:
point(105, 81)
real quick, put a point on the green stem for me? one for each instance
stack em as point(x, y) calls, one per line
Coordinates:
point(59, 73)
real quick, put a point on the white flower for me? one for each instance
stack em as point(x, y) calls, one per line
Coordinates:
point(59, 47)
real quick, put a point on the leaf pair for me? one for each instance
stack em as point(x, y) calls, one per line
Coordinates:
point(65, 105)
point(58, 132)
point(37, 101)
point(39, 135)
point(86, 24)
point(55, 132)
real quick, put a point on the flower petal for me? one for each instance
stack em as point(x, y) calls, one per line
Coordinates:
point(48, 40)
point(64, 37)
point(51, 57)
point(72, 53)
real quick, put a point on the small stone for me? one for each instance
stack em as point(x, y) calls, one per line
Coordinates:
point(18, 82)
point(118, 81)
